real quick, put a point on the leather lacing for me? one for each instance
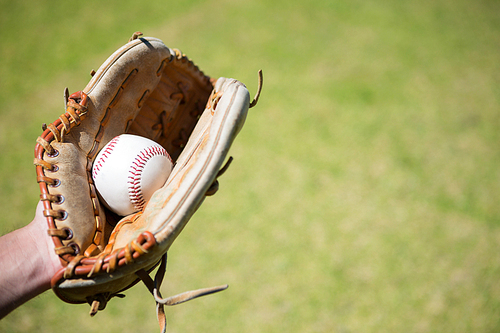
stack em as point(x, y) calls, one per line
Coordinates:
point(76, 110)
point(91, 263)
point(154, 289)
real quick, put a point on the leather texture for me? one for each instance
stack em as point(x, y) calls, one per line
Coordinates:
point(146, 89)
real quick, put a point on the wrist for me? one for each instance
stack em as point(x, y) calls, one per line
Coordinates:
point(28, 264)
point(48, 261)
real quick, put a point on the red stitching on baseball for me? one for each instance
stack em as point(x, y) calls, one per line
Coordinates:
point(134, 188)
point(105, 153)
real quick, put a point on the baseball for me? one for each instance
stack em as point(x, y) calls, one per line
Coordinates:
point(128, 170)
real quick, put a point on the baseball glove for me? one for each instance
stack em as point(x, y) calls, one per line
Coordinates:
point(146, 89)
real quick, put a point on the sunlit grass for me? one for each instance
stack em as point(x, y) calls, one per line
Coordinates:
point(363, 194)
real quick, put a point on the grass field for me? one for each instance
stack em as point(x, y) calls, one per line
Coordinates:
point(364, 192)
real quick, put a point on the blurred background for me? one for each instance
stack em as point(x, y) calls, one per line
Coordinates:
point(364, 192)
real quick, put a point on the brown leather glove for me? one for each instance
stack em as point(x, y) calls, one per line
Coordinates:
point(146, 89)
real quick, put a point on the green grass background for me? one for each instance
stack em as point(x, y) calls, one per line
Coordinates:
point(364, 192)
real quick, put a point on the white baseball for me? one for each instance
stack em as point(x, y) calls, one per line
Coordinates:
point(128, 170)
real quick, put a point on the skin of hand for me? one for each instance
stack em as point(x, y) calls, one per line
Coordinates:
point(27, 263)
